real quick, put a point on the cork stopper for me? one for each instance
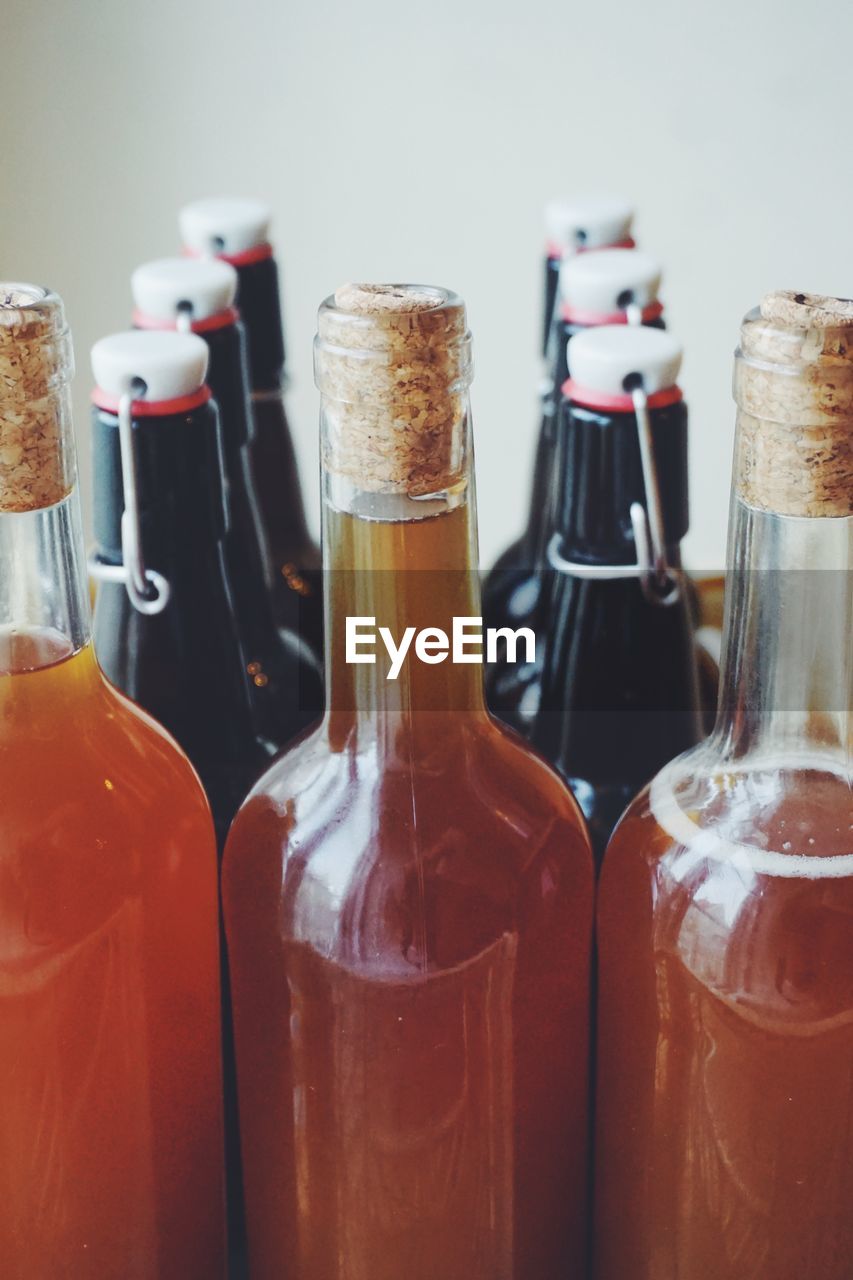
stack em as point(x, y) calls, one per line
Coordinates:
point(393, 363)
point(36, 365)
point(794, 390)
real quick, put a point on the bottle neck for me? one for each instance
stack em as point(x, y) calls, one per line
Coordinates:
point(619, 681)
point(228, 379)
point(600, 475)
point(406, 565)
point(260, 310)
point(184, 665)
point(787, 676)
point(179, 479)
point(44, 599)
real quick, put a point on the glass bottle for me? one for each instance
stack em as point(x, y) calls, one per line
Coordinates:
point(237, 230)
point(613, 286)
point(619, 685)
point(407, 893)
point(725, 1132)
point(576, 227)
point(573, 227)
point(197, 295)
point(175, 650)
point(110, 1089)
point(178, 654)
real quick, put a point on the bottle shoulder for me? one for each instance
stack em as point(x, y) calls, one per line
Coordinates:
point(737, 881)
point(355, 842)
point(100, 735)
point(103, 822)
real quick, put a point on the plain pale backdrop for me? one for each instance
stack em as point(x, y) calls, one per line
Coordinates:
point(419, 142)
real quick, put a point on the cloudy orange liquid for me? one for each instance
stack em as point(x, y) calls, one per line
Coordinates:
point(725, 1124)
point(110, 1128)
point(408, 907)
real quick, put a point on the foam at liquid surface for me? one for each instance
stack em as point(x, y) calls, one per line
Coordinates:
point(710, 841)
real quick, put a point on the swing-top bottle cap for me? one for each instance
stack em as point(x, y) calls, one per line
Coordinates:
point(226, 226)
point(203, 287)
point(170, 365)
point(609, 281)
point(588, 223)
point(615, 359)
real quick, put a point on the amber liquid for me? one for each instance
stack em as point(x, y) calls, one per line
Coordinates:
point(408, 907)
point(725, 1122)
point(110, 1092)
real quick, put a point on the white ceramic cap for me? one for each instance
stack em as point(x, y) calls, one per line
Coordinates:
point(170, 364)
point(609, 280)
point(588, 223)
point(204, 286)
point(225, 226)
point(602, 359)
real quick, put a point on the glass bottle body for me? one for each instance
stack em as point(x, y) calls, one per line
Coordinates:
point(111, 1130)
point(410, 888)
point(725, 1143)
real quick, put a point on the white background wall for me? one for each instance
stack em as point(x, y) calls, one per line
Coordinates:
point(419, 142)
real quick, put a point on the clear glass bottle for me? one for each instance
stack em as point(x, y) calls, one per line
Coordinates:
point(725, 1083)
point(408, 892)
point(237, 230)
point(110, 1087)
point(198, 295)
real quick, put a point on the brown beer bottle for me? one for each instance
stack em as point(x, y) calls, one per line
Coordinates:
point(619, 686)
point(610, 286)
point(111, 1160)
point(197, 295)
point(725, 1051)
point(573, 227)
point(237, 230)
point(408, 891)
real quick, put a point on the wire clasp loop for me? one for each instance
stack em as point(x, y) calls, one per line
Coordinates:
point(660, 582)
point(149, 591)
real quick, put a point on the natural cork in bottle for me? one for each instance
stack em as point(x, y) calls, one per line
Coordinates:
point(36, 452)
point(393, 363)
point(794, 389)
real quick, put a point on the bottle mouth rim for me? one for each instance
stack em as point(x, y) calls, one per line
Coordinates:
point(21, 301)
point(418, 331)
point(17, 294)
point(34, 315)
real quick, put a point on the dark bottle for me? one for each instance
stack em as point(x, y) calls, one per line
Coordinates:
point(619, 680)
point(174, 645)
point(572, 227)
point(199, 295)
point(237, 231)
point(175, 649)
point(614, 286)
